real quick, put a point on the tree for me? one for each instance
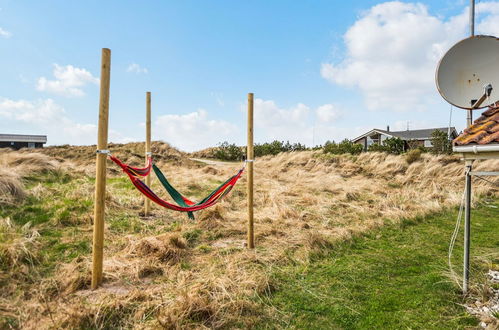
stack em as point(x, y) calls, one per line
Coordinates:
point(227, 151)
point(441, 143)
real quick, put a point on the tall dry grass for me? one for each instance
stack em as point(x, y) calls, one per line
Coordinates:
point(176, 273)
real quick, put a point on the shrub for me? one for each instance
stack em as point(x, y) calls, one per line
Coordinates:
point(413, 155)
point(441, 143)
point(390, 145)
point(344, 147)
point(227, 151)
point(376, 147)
point(275, 147)
point(394, 145)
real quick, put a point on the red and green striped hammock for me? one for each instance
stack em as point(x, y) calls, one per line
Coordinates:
point(183, 203)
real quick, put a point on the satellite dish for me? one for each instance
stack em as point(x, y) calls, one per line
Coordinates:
point(468, 74)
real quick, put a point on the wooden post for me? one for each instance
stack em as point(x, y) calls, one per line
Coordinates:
point(249, 164)
point(147, 202)
point(100, 174)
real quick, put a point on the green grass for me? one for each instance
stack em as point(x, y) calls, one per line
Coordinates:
point(393, 278)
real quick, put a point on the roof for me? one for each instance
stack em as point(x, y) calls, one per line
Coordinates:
point(23, 138)
point(417, 134)
point(420, 134)
point(484, 131)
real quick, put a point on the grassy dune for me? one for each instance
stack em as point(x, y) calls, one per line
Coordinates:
point(167, 271)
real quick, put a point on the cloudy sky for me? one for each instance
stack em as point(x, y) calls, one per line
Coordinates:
point(320, 70)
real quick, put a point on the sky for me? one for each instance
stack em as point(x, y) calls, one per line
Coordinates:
point(319, 70)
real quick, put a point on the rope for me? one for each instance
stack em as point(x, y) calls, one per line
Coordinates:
point(454, 235)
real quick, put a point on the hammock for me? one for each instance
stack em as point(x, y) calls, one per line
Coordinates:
point(184, 204)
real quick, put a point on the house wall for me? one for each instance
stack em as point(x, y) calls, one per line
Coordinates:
point(362, 142)
point(19, 145)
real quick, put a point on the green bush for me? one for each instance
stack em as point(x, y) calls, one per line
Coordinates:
point(376, 147)
point(344, 147)
point(275, 147)
point(227, 151)
point(391, 145)
point(230, 151)
point(441, 143)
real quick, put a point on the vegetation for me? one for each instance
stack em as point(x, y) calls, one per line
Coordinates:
point(441, 143)
point(344, 147)
point(276, 147)
point(413, 155)
point(391, 278)
point(390, 145)
point(229, 152)
point(168, 271)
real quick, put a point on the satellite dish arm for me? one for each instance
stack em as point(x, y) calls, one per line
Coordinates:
point(487, 90)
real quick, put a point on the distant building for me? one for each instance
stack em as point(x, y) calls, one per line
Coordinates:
point(17, 141)
point(412, 138)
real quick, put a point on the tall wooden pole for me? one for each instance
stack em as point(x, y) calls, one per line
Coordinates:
point(250, 159)
point(100, 174)
point(147, 202)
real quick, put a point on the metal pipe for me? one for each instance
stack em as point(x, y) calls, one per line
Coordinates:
point(467, 224)
point(472, 17)
point(469, 119)
point(476, 148)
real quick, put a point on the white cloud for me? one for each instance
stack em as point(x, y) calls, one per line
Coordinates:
point(295, 124)
point(136, 68)
point(328, 113)
point(393, 48)
point(37, 112)
point(47, 117)
point(193, 131)
point(69, 81)
point(5, 33)
point(275, 123)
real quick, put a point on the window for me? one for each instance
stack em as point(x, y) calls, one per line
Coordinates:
point(31, 145)
point(428, 144)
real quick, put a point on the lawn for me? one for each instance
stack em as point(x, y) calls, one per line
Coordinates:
point(394, 278)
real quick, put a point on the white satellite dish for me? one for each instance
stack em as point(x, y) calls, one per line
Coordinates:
point(468, 74)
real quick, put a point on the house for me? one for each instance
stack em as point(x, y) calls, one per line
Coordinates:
point(412, 138)
point(17, 141)
point(481, 140)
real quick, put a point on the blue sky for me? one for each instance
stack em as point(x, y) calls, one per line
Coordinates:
point(320, 70)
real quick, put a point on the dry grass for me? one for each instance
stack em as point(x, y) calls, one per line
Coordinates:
point(167, 271)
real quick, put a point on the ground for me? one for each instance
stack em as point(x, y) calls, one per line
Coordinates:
point(168, 271)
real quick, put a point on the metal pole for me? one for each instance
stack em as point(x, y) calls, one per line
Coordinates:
point(472, 17)
point(467, 223)
point(469, 119)
point(467, 205)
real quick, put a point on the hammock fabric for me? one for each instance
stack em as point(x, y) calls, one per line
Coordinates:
point(184, 204)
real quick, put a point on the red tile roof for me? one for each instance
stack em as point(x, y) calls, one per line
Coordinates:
point(485, 130)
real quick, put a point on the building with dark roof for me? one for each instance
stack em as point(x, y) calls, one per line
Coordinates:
point(412, 138)
point(18, 141)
